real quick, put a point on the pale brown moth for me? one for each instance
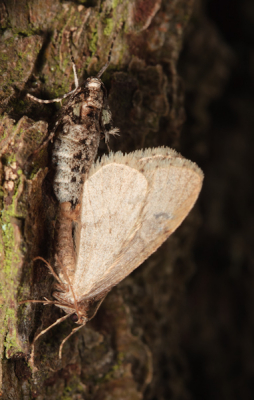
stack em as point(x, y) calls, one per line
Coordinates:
point(130, 205)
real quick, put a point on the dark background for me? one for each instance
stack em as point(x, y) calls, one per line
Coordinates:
point(218, 330)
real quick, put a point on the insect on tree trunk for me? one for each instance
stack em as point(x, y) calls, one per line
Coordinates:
point(116, 354)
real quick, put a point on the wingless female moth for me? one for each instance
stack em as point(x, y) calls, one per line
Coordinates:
point(82, 121)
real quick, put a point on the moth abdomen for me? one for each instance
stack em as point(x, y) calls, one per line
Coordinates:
point(71, 160)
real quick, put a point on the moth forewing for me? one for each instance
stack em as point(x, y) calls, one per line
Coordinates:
point(108, 218)
point(113, 240)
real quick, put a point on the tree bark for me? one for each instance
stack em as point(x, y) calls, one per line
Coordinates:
point(133, 341)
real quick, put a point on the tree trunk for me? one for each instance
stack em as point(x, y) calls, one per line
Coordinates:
point(133, 342)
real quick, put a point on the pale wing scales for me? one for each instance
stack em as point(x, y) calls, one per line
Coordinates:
point(112, 201)
point(174, 185)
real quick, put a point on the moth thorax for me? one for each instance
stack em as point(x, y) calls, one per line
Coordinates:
point(87, 108)
point(84, 319)
point(83, 308)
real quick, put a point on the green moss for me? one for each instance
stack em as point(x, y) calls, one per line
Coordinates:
point(8, 240)
point(74, 387)
point(9, 159)
point(115, 3)
point(59, 85)
point(109, 26)
point(10, 339)
point(111, 374)
point(93, 43)
point(30, 31)
point(8, 274)
point(36, 168)
point(4, 57)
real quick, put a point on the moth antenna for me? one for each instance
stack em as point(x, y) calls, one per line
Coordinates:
point(72, 291)
point(72, 61)
point(60, 99)
point(57, 100)
point(103, 69)
point(45, 302)
point(67, 337)
point(97, 308)
point(58, 321)
point(50, 268)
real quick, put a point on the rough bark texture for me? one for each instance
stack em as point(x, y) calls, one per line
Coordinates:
point(148, 339)
point(117, 355)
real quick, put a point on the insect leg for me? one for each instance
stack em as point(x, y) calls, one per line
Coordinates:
point(73, 331)
point(50, 268)
point(58, 321)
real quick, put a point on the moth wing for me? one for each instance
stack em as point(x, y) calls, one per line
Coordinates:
point(174, 184)
point(112, 201)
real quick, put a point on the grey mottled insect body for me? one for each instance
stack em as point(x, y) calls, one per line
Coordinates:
point(83, 120)
point(78, 132)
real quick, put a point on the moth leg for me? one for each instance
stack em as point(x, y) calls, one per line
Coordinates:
point(72, 332)
point(107, 124)
point(79, 327)
point(58, 321)
point(107, 145)
point(46, 301)
point(97, 308)
point(52, 134)
point(112, 131)
point(50, 268)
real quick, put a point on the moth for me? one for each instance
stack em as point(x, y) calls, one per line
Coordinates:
point(130, 204)
point(82, 121)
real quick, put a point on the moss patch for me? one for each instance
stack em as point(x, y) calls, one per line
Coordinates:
point(11, 262)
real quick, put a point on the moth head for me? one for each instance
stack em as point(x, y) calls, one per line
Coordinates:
point(80, 319)
point(93, 83)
